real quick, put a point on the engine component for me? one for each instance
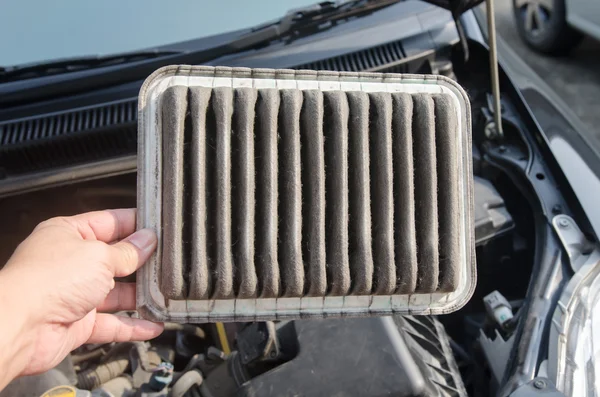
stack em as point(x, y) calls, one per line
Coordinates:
point(429, 345)
point(227, 377)
point(116, 387)
point(36, 385)
point(266, 166)
point(151, 366)
point(66, 391)
point(491, 216)
point(186, 382)
point(399, 356)
point(94, 377)
point(258, 341)
point(189, 329)
point(498, 308)
point(161, 376)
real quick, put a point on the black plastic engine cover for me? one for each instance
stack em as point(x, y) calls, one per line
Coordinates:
point(388, 356)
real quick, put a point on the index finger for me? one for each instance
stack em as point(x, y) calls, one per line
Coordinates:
point(107, 225)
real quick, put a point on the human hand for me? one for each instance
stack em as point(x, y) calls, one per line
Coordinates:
point(56, 290)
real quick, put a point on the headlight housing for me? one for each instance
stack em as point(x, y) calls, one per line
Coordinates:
point(574, 350)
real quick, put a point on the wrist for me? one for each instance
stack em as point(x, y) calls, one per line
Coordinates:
point(15, 328)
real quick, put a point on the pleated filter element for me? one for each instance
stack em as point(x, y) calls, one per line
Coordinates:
point(286, 194)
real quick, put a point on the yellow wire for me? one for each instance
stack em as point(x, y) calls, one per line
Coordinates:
point(223, 338)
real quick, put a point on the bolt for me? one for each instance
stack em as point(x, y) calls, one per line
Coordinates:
point(490, 130)
point(557, 209)
point(563, 223)
point(539, 384)
point(502, 149)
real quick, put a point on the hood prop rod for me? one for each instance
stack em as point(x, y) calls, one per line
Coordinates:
point(495, 80)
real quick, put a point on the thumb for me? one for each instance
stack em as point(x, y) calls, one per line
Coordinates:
point(131, 253)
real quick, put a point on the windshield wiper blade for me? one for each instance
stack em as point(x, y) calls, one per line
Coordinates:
point(66, 65)
point(19, 88)
point(295, 23)
point(302, 21)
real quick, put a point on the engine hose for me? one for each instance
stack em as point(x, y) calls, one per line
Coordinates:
point(186, 382)
point(186, 328)
point(142, 351)
point(116, 387)
point(91, 355)
point(94, 377)
point(194, 361)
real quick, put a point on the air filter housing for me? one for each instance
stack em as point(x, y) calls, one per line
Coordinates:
point(286, 194)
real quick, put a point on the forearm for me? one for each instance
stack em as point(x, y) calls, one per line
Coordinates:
point(14, 334)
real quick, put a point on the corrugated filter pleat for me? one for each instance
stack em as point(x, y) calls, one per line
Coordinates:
point(289, 193)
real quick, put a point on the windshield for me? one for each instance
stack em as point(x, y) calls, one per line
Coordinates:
point(48, 30)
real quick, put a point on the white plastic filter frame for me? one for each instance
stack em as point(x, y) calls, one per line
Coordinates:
point(151, 304)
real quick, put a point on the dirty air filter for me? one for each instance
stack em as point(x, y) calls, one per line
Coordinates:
point(285, 194)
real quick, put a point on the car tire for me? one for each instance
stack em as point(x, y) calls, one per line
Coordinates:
point(542, 25)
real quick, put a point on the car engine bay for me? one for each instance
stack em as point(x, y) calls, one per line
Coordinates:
point(482, 349)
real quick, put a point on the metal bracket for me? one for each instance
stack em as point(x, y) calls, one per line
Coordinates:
point(537, 387)
point(577, 246)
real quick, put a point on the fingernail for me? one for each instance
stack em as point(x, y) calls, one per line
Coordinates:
point(143, 239)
